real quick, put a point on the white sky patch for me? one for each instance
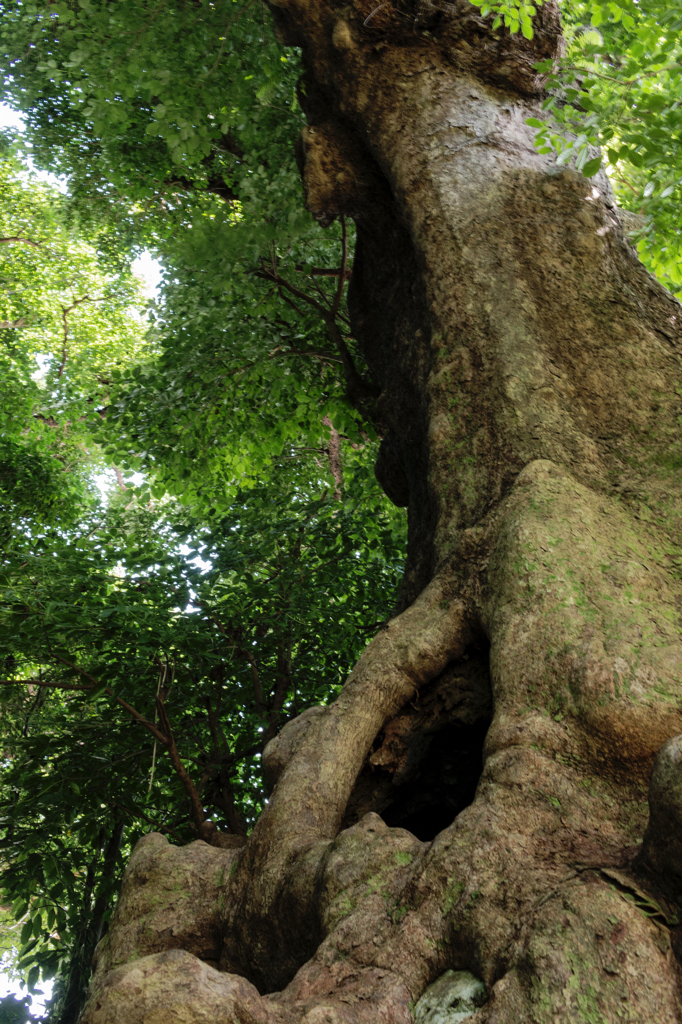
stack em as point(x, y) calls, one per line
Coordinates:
point(9, 118)
point(37, 1001)
point(198, 561)
point(43, 366)
point(149, 271)
point(60, 184)
point(107, 481)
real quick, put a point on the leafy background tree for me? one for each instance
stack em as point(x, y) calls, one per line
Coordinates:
point(150, 648)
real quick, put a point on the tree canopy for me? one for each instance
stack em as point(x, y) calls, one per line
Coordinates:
point(177, 625)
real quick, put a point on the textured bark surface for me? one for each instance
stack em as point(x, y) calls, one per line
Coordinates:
point(530, 376)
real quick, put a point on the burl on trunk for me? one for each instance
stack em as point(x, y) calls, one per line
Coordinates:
point(476, 799)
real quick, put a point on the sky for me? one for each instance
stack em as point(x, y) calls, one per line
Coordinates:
point(9, 118)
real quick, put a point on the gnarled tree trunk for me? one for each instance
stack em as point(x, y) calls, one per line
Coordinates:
point(505, 723)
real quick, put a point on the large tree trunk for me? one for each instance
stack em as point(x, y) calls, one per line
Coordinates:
point(529, 368)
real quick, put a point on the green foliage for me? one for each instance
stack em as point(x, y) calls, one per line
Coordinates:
point(66, 319)
point(157, 109)
point(14, 1010)
point(175, 129)
point(227, 408)
point(514, 15)
point(287, 591)
point(619, 87)
point(242, 373)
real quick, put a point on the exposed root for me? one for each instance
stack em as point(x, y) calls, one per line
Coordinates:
point(310, 798)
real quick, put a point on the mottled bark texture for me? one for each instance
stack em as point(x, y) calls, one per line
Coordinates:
point(530, 375)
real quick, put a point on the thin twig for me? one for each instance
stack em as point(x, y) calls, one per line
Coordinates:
point(334, 456)
point(375, 11)
point(140, 814)
point(158, 689)
point(220, 51)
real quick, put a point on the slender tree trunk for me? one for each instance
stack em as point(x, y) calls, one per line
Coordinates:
point(530, 372)
point(71, 1003)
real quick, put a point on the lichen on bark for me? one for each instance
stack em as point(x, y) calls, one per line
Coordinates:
point(529, 373)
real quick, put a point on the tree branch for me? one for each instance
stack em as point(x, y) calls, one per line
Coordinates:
point(344, 260)
point(167, 738)
point(358, 389)
point(19, 238)
point(334, 456)
point(181, 771)
point(119, 700)
point(141, 814)
point(40, 682)
point(65, 312)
